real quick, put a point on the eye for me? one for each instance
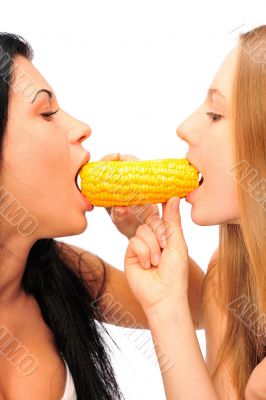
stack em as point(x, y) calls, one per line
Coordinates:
point(48, 115)
point(213, 116)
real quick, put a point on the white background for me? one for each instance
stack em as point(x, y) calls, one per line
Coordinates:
point(133, 70)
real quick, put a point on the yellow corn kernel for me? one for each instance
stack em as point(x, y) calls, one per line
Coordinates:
point(126, 183)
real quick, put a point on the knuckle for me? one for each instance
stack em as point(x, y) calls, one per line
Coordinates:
point(160, 229)
point(132, 241)
point(139, 230)
point(152, 219)
point(142, 228)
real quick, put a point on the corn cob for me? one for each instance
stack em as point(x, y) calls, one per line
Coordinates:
point(126, 183)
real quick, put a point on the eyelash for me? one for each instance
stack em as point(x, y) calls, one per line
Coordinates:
point(49, 114)
point(213, 116)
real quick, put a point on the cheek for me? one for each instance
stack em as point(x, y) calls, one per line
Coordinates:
point(223, 192)
point(36, 170)
point(217, 201)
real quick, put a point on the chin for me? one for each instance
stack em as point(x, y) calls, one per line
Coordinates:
point(203, 220)
point(78, 226)
point(197, 218)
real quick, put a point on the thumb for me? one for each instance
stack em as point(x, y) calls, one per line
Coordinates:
point(174, 238)
point(118, 214)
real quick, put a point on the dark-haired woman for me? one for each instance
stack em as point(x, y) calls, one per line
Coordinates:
point(51, 346)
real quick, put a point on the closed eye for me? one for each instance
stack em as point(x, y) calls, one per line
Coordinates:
point(213, 116)
point(49, 114)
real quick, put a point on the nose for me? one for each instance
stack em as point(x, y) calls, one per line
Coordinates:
point(79, 132)
point(181, 131)
point(85, 133)
point(189, 130)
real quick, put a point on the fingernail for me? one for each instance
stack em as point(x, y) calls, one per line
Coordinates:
point(156, 260)
point(163, 241)
point(176, 203)
point(119, 211)
point(115, 155)
point(147, 264)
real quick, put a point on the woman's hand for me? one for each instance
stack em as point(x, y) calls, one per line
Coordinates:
point(156, 261)
point(128, 219)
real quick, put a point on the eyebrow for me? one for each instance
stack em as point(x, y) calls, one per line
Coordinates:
point(212, 91)
point(50, 94)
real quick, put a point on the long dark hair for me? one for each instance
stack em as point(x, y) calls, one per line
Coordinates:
point(52, 277)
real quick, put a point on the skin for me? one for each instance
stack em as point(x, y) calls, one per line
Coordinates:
point(41, 156)
point(31, 172)
point(40, 160)
point(158, 270)
point(52, 184)
point(211, 151)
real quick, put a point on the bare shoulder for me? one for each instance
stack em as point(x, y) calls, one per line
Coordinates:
point(93, 268)
point(31, 365)
point(86, 264)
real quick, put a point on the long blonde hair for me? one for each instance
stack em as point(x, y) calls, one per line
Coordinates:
point(241, 265)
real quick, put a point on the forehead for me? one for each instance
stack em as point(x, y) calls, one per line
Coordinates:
point(224, 77)
point(27, 80)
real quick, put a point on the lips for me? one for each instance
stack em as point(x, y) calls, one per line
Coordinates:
point(85, 160)
point(201, 178)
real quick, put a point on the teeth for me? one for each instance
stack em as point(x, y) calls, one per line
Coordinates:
point(78, 181)
point(200, 178)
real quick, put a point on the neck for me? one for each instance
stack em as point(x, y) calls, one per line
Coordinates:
point(14, 252)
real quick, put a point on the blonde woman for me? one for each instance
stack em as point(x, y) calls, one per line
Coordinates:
point(227, 144)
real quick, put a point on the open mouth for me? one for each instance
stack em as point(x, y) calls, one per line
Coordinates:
point(78, 181)
point(85, 160)
point(201, 179)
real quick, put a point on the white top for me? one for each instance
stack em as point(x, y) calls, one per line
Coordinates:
point(70, 391)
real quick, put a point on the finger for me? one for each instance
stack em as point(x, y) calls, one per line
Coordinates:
point(163, 207)
point(138, 253)
point(147, 235)
point(110, 157)
point(149, 214)
point(128, 157)
point(158, 227)
point(171, 217)
point(164, 228)
point(144, 212)
point(109, 210)
point(118, 213)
